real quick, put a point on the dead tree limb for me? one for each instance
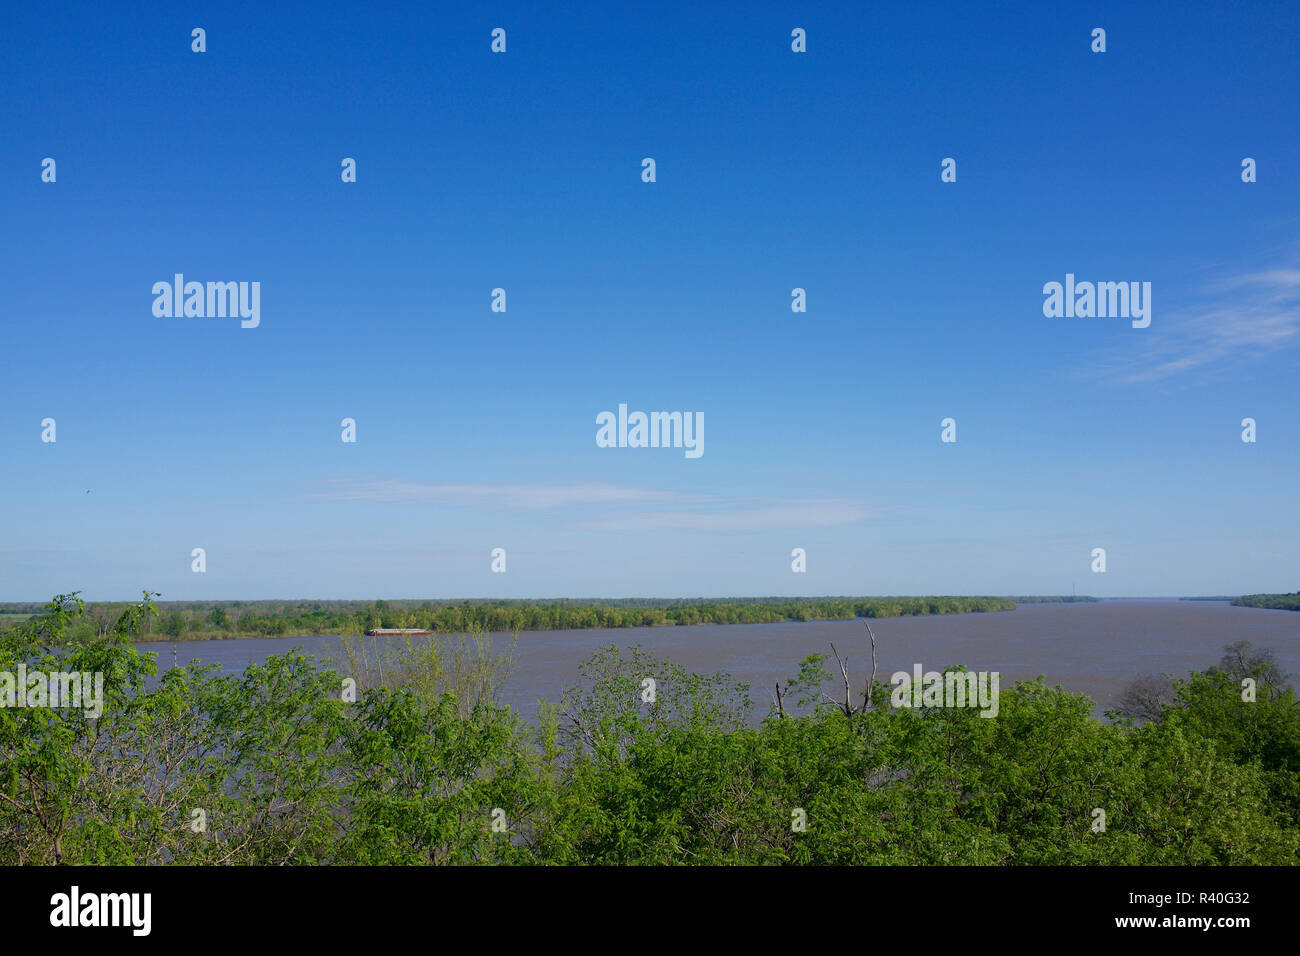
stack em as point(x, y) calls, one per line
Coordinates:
point(847, 707)
point(872, 684)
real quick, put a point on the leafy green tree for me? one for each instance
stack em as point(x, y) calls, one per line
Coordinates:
point(277, 765)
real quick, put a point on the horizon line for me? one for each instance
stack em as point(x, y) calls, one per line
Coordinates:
point(701, 599)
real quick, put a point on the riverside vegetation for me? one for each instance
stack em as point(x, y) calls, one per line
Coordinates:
point(276, 766)
point(1281, 602)
point(192, 621)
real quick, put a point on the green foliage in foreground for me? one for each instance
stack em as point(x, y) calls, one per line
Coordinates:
point(273, 766)
point(1281, 602)
point(182, 621)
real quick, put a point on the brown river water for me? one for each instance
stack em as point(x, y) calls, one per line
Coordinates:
point(1095, 649)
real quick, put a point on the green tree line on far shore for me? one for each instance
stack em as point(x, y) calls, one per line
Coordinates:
point(179, 621)
point(1281, 602)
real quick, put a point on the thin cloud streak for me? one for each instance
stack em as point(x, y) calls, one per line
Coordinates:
point(526, 497)
point(1254, 314)
point(660, 511)
point(811, 513)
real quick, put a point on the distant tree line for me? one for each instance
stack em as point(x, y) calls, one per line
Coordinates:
point(1055, 599)
point(1280, 602)
point(178, 621)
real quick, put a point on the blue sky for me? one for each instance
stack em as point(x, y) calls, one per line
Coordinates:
point(775, 170)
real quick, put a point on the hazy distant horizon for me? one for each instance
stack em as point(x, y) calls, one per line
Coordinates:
point(654, 598)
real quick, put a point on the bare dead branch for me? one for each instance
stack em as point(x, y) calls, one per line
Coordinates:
point(872, 683)
point(847, 706)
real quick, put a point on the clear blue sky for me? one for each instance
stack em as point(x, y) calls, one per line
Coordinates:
point(775, 170)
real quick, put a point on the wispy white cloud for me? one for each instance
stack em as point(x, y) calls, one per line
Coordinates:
point(497, 496)
point(809, 513)
point(1242, 317)
point(637, 508)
